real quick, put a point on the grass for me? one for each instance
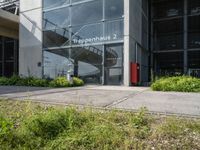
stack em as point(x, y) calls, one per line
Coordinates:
point(26, 125)
point(177, 84)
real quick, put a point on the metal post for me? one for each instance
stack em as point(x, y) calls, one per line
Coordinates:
point(185, 38)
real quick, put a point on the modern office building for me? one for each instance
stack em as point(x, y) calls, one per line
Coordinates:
point(98, 40)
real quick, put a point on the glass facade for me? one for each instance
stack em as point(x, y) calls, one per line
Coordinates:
point(84, 38)
point(8, 56)
point(176, 36)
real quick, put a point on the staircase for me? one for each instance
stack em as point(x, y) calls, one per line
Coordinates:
point(11, 6)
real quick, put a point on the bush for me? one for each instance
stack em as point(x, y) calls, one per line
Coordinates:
point(178, 84)
point(77, 82)
point(31, 81)
point(60, 82)
point(4, 81)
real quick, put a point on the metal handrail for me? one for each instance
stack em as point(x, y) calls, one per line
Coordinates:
point(7, 5)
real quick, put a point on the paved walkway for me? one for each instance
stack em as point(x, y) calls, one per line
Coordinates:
point(128, 98)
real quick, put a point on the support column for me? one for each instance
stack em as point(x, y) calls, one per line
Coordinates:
point(126, 43)
point(185, 38)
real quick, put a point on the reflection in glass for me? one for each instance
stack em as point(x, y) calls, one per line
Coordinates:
point(114, 30)
point(87, 12)
point(86, 34)
point(72, 31)
point(56, 18)
point(56, 63)
point(56, 38)
point(55, 3)
point(87, 62)
point(113, 65)
point(193, 7)
point(114, 9)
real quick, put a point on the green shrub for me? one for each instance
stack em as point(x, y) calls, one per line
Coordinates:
point(32, 81)
point(4, 81)
point(60, 82)
point(179, 84)
point(38, 82)
point(77, 82)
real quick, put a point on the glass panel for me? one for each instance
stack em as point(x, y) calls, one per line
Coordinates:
point(58, 18)
point(168, 35)
point(88, 34)
point(170, 63)
point(113, 56)
point(194, 32)
point(169, 8)
point(87, 12)
point(114, 9)
point(56, 38)
point(114, 30)
point(0, 69)
point(55, 3)
point(113, 76)
point(56, 63)
point(9, 50)
point(193, 7)
point(1, 51)
point(87, 63)
point(113, 65)
point(194, 59)
point(8, 69)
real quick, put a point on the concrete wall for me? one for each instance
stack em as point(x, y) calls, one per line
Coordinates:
point(30, 35)
point(9, 24)
point(133, 33)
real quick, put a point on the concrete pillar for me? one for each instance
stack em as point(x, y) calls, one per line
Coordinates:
point(30, 35)
point(126, 43)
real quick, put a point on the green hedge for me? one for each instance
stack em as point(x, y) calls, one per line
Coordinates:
point(36, 82)
point(178, 84)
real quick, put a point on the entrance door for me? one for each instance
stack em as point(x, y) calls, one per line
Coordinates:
point(113, 65)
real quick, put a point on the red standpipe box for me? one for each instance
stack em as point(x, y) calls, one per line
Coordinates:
point(135, 73)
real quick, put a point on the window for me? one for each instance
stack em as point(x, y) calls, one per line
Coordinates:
point(114, 30)
point(194, 32)
point(193, 7)
point(56, 38)
point(55, 3)
point(87, 12)
point(194, 59)
point(170, 63)
point(167, 9)
point(56, 18)
point(114, 9)
point(56, 63)
point(1, 51)
point(87, 34)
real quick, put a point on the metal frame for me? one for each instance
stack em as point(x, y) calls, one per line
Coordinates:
point(14, 61)
point(185, 49)
point(90, 44)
